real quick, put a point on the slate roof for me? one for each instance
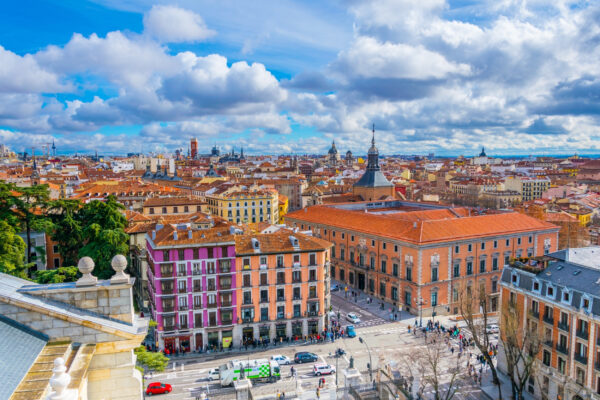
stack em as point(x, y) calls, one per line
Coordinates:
point(561, 275)
point(19, 348)
point(373, 179)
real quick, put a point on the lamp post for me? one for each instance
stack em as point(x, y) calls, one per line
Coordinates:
point(421, 302)
point(370, 359)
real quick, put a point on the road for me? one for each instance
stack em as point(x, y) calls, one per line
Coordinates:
point(385, 339)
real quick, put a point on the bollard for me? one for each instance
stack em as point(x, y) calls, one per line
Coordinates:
point(174, 365)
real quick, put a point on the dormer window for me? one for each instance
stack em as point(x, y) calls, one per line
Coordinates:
point(586, 303)
point(566, 296)
point(537, 287)
point(550, 291)
point(514, 278)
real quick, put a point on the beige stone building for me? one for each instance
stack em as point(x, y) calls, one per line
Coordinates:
point(82, 332)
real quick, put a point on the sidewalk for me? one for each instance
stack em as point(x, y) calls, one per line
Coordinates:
point(491, 390)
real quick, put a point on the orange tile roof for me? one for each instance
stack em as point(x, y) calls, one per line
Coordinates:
point(278, 242)
point(421, 231)
point(166, 237)
point(171, 201)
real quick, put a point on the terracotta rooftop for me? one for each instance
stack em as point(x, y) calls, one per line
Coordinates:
point(424, 227)
point(171, 201)
point(166, 236)
point(278, 242)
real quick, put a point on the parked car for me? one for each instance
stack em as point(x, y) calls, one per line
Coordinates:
point(158, 388)
point(350, 331)
point(353, 318)
point(492, 328)
point(323, 369)
point(282, 360)
point(335, 287)
point(214, 375)
point(304, 357)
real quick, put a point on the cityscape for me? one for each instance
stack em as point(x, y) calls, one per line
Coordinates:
point(204, 201)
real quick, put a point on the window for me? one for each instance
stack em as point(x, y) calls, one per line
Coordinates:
point(343, 235)
point(264, 314)
point(342, 254)
point(530, 239)
point(495, 244)
point(56, 262)
point(456, 270)
point(454, 295)
point(182, 286)
point(434, 274)
point(352, 238)
point(394, 293)
point(396, 248)
point(470, 247)
point(518, 241)
point(482, 266)
point(175, 209)
point(151, 210)
point(482, 245)
point(550, 291)
point(280, 261)
point(507, 243)
point(395, 269)
point(408, 273)
point(561, 365)
point(372, 262)
point(382, 289)
point(180, 254)
point(434, 298)
point(494, 285)
point(383, 266)
point(383, 245)
point(165, 255)
point(469, 268)
point(312, 259)
point(407, 298)
point(372, 243)
point(333, 233)
point(495, 264)
point(566, 296)
point(456, 249)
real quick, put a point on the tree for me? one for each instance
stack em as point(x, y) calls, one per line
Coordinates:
point(431, 362)
point(58, 275)
point(104, 234)
point(29, 206)
point(67, 230)
point(150, 361)
point(12, 251)
point(8, 199)
point(521, 345)
point(474, 308)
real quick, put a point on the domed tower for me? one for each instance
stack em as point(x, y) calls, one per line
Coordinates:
point(334, 157)
point(373, 185)
point(349, 158)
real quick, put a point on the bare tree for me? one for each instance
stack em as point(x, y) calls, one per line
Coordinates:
point(474, 308)
point(436, 350)
point(521, 344)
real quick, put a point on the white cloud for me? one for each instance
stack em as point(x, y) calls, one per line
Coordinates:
point(172, 24)
point(23, 74)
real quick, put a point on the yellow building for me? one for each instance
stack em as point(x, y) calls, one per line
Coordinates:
point(583, 216)
point(283, 207)
point(247, 206)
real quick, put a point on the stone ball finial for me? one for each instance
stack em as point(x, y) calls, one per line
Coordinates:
point(119, 263)
point(59, 381)
point(86, 266)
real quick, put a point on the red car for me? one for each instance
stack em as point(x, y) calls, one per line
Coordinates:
point(158, 388)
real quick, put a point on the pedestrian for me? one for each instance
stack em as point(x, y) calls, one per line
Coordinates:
point(282, 395)
point(452, 350)
point(278, 395)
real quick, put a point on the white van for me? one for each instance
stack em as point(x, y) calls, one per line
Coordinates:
point(213, 374)
point(323, 369)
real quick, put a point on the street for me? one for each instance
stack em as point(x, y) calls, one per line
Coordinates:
point(385, 339)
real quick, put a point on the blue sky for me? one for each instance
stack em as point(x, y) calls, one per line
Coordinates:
point(518, 77)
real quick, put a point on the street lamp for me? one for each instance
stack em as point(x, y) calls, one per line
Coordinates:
point(370, 359)
point(421, 302)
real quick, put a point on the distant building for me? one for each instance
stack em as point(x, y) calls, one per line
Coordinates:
point(349, 159)
point(173, 206)
point(373, 185)
point(194, 148)
point(529, 188)
point(333, 157)
point(245, 206)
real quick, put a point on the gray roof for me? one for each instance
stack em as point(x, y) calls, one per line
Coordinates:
point(19, 348)
point(561, 275)
point(373, 179)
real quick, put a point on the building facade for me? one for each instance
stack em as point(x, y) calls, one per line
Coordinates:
point(560, 301)
point(192, 286)
point(529, 188)
point(418, 256)
point(173, 206)
point(245, 206)
point(282, 285)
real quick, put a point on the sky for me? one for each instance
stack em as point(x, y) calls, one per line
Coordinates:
point(289, 77)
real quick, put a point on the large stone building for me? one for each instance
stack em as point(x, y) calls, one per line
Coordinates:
point(417, 256)
point(245, 205)
point(86, 329)
point(373, 185)
point(558, 299)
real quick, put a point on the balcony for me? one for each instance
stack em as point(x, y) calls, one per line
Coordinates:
point(549, 343)
point(197, 306)
point(197, 288)
point(246, 267)
point(247, 301)
point(211, 288)
point(582, 334)
point(562, 349)
point(312, 296)
point(264, 300)
point(312, 313)
point(280, 265)
point(297, 298)
point(247, 319)
point(563, 326)
point(211, 305)
point(296, 265)
point(534, 314)
point(197, 272)
point(280, 316)
point(226, 322)
point(296, 280)
point(183, 326)
point(263, 266)
point(312, 278)
point(169, 328)
point(225, 287)
point(281, 281)
point(280, 298)
point(264, 283)
point(226, 304)
point(264, 318)
point(183, 307)
point(581, 359)
point(549, 319)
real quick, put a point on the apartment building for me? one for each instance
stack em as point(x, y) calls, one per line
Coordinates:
point(282, 285)
point(192, 286)
point(560, 300)
point(245, 206)
point(529, 188)
point(419, 256)
point(173, 206)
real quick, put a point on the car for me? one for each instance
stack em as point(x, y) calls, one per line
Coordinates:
point(158, 388)
point(281, 360)
point(492, 328)
point(335, 287)
point(350, 331)
point(353, 318)
point(304, 357)
point(323, 369)
point(214, 375)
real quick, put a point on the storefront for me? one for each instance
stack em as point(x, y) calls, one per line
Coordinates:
point(227, 338)
point(297, 329)
point(313, 326)
point(199, 341)
point(248, 334)
point(265, 332)
point(213, 340)
point(281, 331)
point(170, 344)
point(184, 344)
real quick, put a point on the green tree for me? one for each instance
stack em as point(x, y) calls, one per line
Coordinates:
point(150, 361)
point(12, 251)
point(66, 230)
point(58, 275)
point(104, 234)
point(30, 204)
point(8, 199)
